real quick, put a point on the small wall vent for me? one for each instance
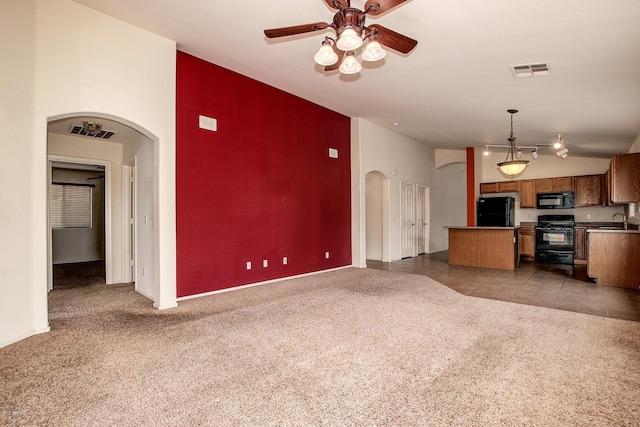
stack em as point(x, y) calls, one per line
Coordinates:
point(80, 130)
point(531, 70)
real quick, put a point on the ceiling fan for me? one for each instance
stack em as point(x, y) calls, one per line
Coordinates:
point(349, 25)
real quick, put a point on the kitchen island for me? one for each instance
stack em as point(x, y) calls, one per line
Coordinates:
point(614, 257)
point(487, 247)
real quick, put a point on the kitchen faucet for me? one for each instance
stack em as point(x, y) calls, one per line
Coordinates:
point(624, 218)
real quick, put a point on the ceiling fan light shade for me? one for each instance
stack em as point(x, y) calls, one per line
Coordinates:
point(349, 64)
point(373, 52)
point(513, 167)
point(325, 56)
point(349, 40)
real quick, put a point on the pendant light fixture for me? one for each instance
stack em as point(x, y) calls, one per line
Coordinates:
point(512, 167)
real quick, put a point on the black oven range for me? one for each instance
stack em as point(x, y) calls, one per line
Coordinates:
point(555, 239)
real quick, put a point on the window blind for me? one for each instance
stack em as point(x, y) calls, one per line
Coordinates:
point(70, 206)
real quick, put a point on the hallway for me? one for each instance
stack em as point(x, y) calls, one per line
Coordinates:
point(562, 287)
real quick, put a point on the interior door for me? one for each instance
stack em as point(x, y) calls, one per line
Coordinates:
point(407, 225)
point(422, 220)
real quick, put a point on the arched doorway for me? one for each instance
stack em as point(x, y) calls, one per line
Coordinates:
point(129, 204)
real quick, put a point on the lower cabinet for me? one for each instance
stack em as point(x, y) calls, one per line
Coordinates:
point(486, 247)
point(580, 252)
point(527, 242)
point(614, 258)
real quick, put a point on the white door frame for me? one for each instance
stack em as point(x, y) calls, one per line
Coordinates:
point(407, 215)
point(426, 217)
point(107, 212)
point(129, 209)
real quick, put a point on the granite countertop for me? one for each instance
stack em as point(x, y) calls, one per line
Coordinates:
point(481, 227)
point(610, 230)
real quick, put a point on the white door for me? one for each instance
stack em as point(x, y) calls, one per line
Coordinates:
point(407, 225)
point(422, 220)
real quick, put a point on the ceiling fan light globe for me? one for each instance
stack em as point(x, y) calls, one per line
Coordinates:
point(350, 65)
point(513, 167)
point(349, 40)
point(373, 52)
point(325, 56)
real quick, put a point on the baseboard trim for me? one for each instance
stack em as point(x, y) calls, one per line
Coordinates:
point(18, 338)
point(251, 285)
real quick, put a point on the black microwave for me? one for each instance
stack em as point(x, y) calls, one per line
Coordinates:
point(563, 200)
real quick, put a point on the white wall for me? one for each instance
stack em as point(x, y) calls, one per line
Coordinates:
point(635, 147)
point(374, 215)
point(401, 159)
point(53, 72)
point(23, 225)
point(449, 203)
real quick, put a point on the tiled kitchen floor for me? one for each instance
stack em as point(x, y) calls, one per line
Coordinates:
point(562, 287)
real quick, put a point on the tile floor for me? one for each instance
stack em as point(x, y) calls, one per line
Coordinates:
point(562, 287)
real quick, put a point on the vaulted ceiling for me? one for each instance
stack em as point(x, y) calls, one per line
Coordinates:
point(453, 89)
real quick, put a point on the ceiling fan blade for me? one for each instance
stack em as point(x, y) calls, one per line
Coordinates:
point(338, 62)
point(383, 6)
point(337, 4)
point(393, 40)
point(296, 29)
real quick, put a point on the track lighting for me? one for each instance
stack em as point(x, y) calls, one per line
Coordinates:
point(563, 153)
point(559, 143)
point(534, 154)
point(486, 151)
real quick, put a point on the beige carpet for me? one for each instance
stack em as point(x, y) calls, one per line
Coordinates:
point(354, 347)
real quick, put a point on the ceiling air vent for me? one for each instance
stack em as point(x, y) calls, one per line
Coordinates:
point(80, 130)
point(531, 70)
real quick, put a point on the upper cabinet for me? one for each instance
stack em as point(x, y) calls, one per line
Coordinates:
point(551, 185)
point(588, 190)
point(499, 187)
point(528, 193)
point(625, 178)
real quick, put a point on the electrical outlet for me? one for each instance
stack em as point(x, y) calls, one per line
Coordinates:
point(265, 263)
point(326, 255)
point(284, 260)
point(589, 215)
point(248, 265)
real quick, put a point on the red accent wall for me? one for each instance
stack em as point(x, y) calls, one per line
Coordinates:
point(262, 187)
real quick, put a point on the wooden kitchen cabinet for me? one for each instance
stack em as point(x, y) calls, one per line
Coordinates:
point(552, 185)
point(564, 183)
point(544, 185)
point(588, 190)
point(508, 186)
point(488, 187)
point(527, 242)
point(487, 247)
point(625, 178)
point(614, 258)
point(580, 240)
point(528, 193)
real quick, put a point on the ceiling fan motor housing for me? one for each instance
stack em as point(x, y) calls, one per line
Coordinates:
point(349, 18)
